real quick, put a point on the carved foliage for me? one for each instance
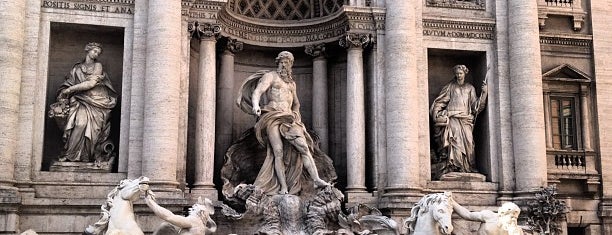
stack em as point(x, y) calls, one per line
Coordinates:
point(352, 40)
point(203, 30)
point(315, 50)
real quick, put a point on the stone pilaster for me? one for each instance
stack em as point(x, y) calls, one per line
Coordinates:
point(528, 129)
point(205, 110)
point(319, 93)
point(585, 107)
point(11, 62)
point(403, 165)
point(225, 103)
point(602, 48)
point(355, 108)
point(139, 55)
point(162, 94)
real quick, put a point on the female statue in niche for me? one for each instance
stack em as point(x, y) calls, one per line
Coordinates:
point(454, 111)
point(83, 109)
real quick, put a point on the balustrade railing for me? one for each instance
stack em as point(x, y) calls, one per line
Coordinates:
point(561, 3)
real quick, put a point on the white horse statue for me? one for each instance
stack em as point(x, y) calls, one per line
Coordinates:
point(118, 211)
point(431, 215)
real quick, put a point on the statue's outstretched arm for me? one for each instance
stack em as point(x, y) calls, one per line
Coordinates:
point(467, 214)
point(264, 83)
point(167, 215)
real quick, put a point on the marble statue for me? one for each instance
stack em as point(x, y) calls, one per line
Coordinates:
point(364, 220)
point(431, 215)
point(504, 222)
point(275, 172)
point(83, 110)
point(196, 223)
point(118, 211)
point(454, 112)
point(280, 129)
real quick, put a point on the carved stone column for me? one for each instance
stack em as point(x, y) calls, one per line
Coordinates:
point(162, 94)
point(319, 93)
point(355, 108)
point(549, 138)
point(11, 62)
point(528, 131)
point(205, 110)
point(225, 103)
point(586, 118)
point(403, 165)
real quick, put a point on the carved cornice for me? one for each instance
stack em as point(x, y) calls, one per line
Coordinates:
point(355, 40)
point(202, 10)
point(470, 5)
point(233, 45)
point(365, 19)
point(458, 29)
point(283, 34)
point(315, 50)
point(566, 40)
point(203, 31)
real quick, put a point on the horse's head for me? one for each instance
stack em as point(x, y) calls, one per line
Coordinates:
point(441, 213)
point(435, 210)
point(130, 189)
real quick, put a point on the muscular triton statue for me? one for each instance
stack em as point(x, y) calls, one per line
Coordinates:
point(279, 128)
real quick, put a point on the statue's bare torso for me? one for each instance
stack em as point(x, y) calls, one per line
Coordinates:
point(280, 93)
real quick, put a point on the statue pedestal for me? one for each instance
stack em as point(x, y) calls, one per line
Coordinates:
point(103, 167)
point(464, 177)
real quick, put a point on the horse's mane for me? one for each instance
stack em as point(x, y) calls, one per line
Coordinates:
point(422, 207)
point(102, 224)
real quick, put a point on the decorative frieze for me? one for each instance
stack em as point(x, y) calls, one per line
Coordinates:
point(326, 30)
point(203, 30)
point(458, 29)
point(202, 10)
point(461, 4)
point(111, 6)
point(586, 42)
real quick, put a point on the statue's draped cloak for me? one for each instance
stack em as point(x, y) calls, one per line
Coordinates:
point(461, 105)
point(87, 127)
point(252, 153)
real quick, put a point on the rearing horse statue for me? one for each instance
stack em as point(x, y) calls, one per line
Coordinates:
point(118, 211)
point(431, 215)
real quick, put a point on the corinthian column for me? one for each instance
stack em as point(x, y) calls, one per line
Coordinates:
point(11, 61)
point(400, 53)
point(355, 112)
point(528, 130)
point(319, 93)
point(162, 94)
point(205, 111)
point(226, 103)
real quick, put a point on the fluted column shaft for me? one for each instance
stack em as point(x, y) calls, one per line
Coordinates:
point(319, 94)
point(355, 114)
point(528, 129)
point(205, 110)
point(11, 61)
point(401, 101)
point(162, 94)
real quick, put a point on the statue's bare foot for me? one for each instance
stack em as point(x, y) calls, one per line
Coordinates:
point(319, 183)
point(283, 191)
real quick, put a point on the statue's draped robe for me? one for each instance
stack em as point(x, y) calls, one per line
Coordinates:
point(244, 155)
point(455, 139)
point(87, 127)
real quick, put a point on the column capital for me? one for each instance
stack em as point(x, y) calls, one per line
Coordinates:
point(233, 45)
point(356, 40)
point(203, 31)
point(316, 51)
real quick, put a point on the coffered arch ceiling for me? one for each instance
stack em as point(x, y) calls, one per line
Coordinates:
point(293, 23)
